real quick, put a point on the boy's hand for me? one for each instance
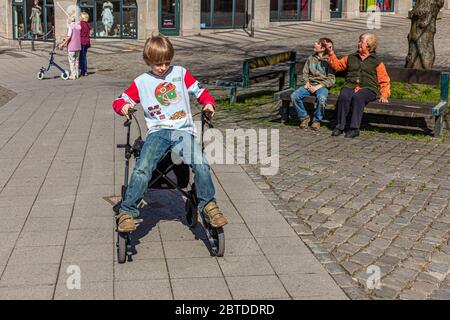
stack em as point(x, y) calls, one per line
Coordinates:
point(125, 109)
point(209, 111)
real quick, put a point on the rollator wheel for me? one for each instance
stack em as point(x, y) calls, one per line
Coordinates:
point(64, 75)
point(40, 75)
point(121, 247)
point(191, 213)
point(216, 238)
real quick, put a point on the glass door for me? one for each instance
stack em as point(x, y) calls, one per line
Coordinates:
point(336, 9)
point(169, 17)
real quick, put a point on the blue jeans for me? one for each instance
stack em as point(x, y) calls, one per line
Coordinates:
point(321, 97)
point(83, 60)
point(155, 148)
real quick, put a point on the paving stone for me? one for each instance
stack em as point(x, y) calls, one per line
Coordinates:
point(152, 289)
point(256, 287)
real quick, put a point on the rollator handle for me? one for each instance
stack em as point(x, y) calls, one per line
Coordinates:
point(206, 118)
point(130, 113)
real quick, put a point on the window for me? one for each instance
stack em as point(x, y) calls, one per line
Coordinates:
point(290, 10)
point(379, 5)
point(33, 19)
point(223, 13)
point(111, 18)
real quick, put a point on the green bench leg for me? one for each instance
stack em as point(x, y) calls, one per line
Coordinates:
point(285, 104)
point(281, 81)
point(233, 91)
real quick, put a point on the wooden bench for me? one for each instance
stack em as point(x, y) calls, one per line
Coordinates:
point(270, 67)
point(427, 77)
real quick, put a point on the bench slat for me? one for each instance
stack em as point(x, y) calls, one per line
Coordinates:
point(393, 105)
point(270, 60)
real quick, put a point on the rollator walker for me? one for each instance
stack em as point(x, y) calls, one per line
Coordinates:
point(216, 236)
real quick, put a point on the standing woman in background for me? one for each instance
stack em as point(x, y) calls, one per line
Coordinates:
point(85, 34)
point(73, 42)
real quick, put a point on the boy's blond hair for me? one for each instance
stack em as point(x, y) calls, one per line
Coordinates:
point(371, 41)
point(158, 49)
point(84, 16)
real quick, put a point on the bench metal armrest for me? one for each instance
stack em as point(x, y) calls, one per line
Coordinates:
point(439, 108)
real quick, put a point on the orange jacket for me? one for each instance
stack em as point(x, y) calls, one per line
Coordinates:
point(384, 81)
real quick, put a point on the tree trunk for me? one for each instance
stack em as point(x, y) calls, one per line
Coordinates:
point(421, 52)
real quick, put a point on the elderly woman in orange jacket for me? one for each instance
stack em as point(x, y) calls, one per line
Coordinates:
point(366, 80)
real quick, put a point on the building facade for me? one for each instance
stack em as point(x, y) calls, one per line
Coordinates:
point(138, 19)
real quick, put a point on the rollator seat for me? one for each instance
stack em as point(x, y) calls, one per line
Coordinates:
point(180, 174)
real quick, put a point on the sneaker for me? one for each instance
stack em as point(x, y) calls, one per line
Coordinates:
point(352, 133)
point(213, 215)
point(337, 132)
point(315, 126)
point(125, 223)
point(304, 123)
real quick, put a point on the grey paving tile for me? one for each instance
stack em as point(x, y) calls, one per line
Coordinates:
point(260, 210)
point(237, 231)
point(90, 271)
point(175, 230)
point(312, 286)
point(87, 291)
point(8, 239)
point(92, 223)
point(51, 211)
point(143, 290)
point(141, 270)
point(186, 249)
point(200, 289)
point(36, 255)
point(241, 247)
point(239, 186)
point(34, 224)
point(245, 266)
point(93, 236)
point(148, 250)
point(88, 252)
point(299, 263)
point(29, 275)
point(40, 238)
point(273, 229)
point(193, 268)
point(283, 246)
point(27, 293)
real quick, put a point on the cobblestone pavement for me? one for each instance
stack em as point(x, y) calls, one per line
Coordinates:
point(378, 200)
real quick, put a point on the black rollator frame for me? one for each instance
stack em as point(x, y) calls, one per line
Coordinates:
point(216, 236)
